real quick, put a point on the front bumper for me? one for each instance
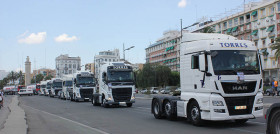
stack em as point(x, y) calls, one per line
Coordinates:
point(118, 103)
point(210, 113)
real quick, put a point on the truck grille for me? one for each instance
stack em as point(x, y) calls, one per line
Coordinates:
point(122, 94)
point(56, 91)
point(247, 101)
point(86, 93)
point(233, 87)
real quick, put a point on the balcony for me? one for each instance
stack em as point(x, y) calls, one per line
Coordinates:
point(271, 34)
point(255, 37)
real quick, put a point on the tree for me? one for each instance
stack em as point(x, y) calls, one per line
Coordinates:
point(49, 77)
point(276, 46)
point(39, 78)
point(162, 75)
point(207, 30)
point(174, 79)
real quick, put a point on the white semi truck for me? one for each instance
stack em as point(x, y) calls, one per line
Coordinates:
point(67, 87)
point(220, 80)
point(83, 86)
point(116, 85)
point(56, 87)
point(43, 86)
point(48, 87)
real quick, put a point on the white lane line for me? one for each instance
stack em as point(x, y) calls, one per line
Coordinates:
point(94, 129)
point(242, 130)
point(257, 122)
point(144, 98)
point(143, 108)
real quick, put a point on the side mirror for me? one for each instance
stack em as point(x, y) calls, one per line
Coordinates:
point(103, 76)
point(134, 74)
point(202, 63)
point(260, 59)
point(75, 80)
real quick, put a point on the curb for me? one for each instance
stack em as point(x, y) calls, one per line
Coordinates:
point(16, 121)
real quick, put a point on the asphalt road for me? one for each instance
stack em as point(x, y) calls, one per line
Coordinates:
point(51, 115)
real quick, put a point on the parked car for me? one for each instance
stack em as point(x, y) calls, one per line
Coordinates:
point(270, 91)
point(177, 92)
point(273, 119)
point(164, 91)
point(144, 91)
point(25, 91)
point(154, 90)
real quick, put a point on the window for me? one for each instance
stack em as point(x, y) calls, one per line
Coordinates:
point(271, 11)
point(230, 23)
point(263, 12)
point(109, 60)
point(70, 65)
point(235, 21)
point(65, 65)
point(105, 59)
point(241, 28)
point(263, 42)
point(241, 20)
point(195, 62)
point(113, 60)
point(272, 40)
point(256, 43)
point(74, 65)
point(70, 71)
point(278, 6)
point(225, 25)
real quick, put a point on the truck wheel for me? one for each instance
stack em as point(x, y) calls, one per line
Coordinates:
point(194, 114)
point(94, 101)
point(128, 104)
point(156, 109)
point(241, 121)
point(274, 124)
point(168, 110)
point(103, 103)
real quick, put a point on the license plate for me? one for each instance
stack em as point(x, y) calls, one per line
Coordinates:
point(122, 103)
point(240, 107)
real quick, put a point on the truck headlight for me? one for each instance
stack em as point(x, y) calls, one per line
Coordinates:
point(133, 96)
point(260, 100)
point(109, 97)
point(217, 103)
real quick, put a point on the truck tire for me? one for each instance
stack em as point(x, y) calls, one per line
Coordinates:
point(274, 124)
point(156, 109)
point(194, 114)
point(128, 104)
point(103, 103)
point(241, 121)
point(94, 101)
point(167, 106)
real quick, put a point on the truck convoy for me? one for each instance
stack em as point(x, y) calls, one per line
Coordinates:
point(56, 87)
point(220, 80)
point(67, 87)
point(116, 85)
point(83, 86)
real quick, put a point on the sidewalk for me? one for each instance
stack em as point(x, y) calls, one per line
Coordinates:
point(15, 123)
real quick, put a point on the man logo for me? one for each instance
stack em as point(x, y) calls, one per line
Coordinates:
point(238, 88)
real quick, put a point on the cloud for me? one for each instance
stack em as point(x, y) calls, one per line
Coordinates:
point(182, 3)
point(22, 35)
point(34, 38)
point(64, 38)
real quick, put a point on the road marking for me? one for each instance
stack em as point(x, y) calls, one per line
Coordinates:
point(242, 130)
point(257, 122)
point(143, 108)
point(144, 98)
point(94, 129)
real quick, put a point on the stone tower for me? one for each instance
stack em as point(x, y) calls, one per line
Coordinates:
point(27, 71)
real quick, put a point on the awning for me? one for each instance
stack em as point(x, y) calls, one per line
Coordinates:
point(270, 29)
point(254, 32)
point(254, 13)
point(229, 30)
point(234, 29)
point(263, 28)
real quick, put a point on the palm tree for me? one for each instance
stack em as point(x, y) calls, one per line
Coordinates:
point(207, 30)
point(276, 46)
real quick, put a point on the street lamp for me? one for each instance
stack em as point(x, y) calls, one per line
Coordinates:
point(187, 27)
point(125, 50)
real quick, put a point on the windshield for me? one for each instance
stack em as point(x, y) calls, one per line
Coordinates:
point(57, 84)
point(49, 86)
point(43, 86)
point(68, 83)
point(229, 62)
point(121, 76)
point(85, 80)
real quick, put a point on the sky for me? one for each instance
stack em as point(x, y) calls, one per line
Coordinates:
point(44, 29)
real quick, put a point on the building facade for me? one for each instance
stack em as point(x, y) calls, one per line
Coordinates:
point(67, 65)
point(89, 67)
point(105, 57)
point(44, 72)
point(166, 50)
point(260, 23)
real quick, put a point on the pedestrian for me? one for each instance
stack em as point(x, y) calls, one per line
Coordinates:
point(1, 97)
point(275, 87)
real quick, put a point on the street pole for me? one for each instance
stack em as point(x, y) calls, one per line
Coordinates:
point(181, 29)
point(123, 53)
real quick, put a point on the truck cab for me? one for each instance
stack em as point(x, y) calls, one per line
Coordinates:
point(67, 87)
point(116, 85)
point(220, 80)
point(43, 85)
point(48, 87)
point(83, 86)
point(56, 87)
